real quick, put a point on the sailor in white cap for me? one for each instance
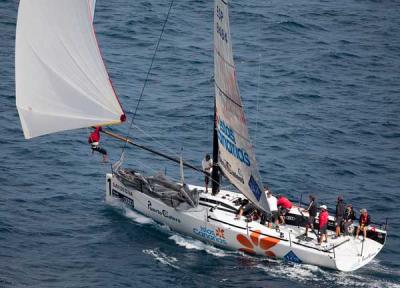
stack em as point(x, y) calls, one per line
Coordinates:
point(364, 221)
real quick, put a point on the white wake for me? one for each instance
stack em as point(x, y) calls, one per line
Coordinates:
point(162, 257)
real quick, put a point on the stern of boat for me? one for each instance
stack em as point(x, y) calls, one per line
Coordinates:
point(354, 254)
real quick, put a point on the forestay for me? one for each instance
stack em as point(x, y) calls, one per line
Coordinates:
point(236, 156)
point(61, 79)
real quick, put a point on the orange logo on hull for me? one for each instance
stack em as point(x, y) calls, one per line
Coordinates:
point(265, 243)
point(220, 233)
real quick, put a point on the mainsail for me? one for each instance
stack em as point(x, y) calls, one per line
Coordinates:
point(236, 156)
point(61, 79)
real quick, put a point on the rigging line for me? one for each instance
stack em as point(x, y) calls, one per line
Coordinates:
point(156, 141)
point(142, 164)
point(148, 72)
point(148, 167)
point(168, 149)
point(154, 171)
point(127, 140)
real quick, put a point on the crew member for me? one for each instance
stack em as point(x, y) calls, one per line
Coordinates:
point(340, 207)
point(349, 217)
point(364, 221)
point(312, 211)
point(284, 206)
point(246, 208)
point(273, 206)
point(94, 141)
point(323, 224)
point(207, 164)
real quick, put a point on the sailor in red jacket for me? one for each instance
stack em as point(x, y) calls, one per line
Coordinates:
point(323, 224)
point(94, 141)
point(284, 205)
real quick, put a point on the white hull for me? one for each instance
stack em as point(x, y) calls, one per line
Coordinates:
point(219, 227)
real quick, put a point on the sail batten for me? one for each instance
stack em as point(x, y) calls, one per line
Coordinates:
point(236, 157)
point(225, 60)
point(229, 98)
point(61, 79)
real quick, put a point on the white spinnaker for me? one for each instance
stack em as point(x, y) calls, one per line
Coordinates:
point(236, 156)
point(61, 79)
point(92, 5)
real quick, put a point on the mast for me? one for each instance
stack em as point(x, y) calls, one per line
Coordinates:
point(215, 171)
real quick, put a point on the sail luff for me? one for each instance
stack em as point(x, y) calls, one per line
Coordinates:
point(92, 6)
point(236, 156)
point(61, 79)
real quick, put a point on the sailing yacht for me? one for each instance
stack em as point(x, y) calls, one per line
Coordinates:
point(62, 84)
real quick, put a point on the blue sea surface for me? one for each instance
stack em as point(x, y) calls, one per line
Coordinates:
point(320, 82)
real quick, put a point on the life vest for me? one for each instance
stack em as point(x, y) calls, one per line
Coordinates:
point(323, 219)
point(364, 219)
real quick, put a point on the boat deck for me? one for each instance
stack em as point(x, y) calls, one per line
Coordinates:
point(295, 227)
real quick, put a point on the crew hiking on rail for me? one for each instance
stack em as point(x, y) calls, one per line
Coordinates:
point(94, 141)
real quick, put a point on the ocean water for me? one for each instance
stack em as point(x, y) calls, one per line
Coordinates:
point(320, 83)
